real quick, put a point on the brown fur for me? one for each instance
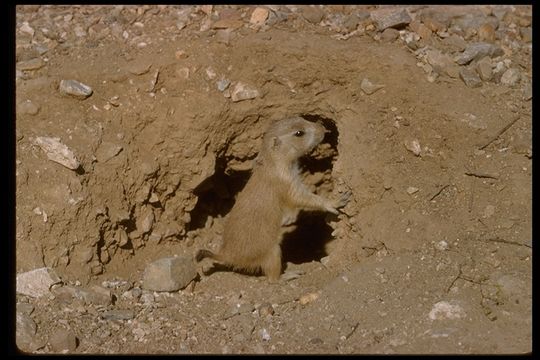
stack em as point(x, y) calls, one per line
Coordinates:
point(271, 200)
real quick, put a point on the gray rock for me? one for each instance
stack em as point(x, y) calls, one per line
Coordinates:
point(169, 274)
point(243, 91)
point(28, 107)
point(476, 51)
point(33, 64)
point(484, 69)
point(386, 18)
point(313, 14)
point(470, 78)
point(369, 88)
point(118, 315)
point(63, 340)
point(37, 282)
point(75, 88)
point(511, 77)
point(58, 152)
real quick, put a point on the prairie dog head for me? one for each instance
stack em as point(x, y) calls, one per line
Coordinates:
point(291, 138)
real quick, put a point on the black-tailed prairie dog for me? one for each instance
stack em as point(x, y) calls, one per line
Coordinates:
point(271, 200)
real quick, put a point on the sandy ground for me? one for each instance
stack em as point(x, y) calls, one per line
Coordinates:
point(432, 254)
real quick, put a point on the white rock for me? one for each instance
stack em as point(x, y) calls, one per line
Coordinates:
point(446, 310)
point(441, 245)
point(58, 152)
point(265, 335)
point(27, 29)
point(223, 84)
point(37, 282)
point(474, 121)
point(369, 88)
point(414, 147)
point(210, 73)
point(243, 91)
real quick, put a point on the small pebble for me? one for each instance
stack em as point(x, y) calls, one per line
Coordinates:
point(414, 147)
point(369, 88)
point(266, 309)
point(441, 245)
point(75, 88)
point(307, 298)
point(243, 91)
point(28, 107)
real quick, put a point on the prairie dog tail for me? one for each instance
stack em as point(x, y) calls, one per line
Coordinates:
point(203, 253)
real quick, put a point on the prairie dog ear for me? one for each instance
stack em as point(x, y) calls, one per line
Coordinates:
point(275, 142)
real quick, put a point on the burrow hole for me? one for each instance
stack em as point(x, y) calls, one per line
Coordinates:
point(308, 242)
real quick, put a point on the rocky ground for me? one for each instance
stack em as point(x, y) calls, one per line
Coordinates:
point(136, 126)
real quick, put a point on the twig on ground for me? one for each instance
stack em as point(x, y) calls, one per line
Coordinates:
point(439, 192)
point(500, 132)
point(499, 240)
point(481, 174)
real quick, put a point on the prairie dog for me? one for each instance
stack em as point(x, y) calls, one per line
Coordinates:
point(271, 200)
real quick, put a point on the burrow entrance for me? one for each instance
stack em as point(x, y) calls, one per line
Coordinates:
point(308, 241)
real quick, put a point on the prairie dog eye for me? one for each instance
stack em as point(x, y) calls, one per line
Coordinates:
point(299, 133)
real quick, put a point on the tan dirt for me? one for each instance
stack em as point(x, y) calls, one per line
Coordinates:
point(451, 225)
